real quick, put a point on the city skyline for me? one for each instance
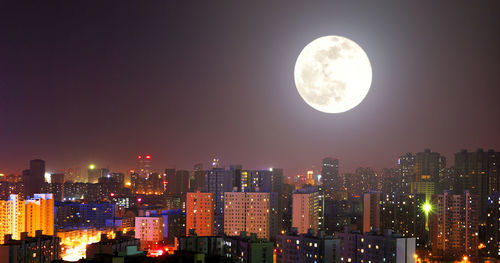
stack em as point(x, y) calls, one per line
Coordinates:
point(185, 85)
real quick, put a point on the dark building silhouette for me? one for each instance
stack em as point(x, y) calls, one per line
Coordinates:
point(330, 177)
point(34, 177)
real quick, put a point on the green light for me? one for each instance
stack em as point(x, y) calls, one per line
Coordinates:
point(91, 167)
point(427, 207)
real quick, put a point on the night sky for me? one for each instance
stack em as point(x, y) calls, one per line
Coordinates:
point(103, 81)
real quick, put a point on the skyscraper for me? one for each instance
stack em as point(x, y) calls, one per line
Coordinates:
point(478, 172)
point(246, 211)
point(12, 217)
point(219, 181)
point(371, 212)
point(429, 166)
point(144, 165)
point(40, 214)
point(454, 224)
point(200, 213)
point(34, 177)
point(305, 209)
point(330, 177)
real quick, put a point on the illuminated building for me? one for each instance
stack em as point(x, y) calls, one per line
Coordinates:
point(340, 214)
point(330, 177)
point(149, 230)
point(404, 213)
point(372, 247)
point(200, 213)
point(40, 214)
point(454, 224)
point(39, 248)
point(371, 212)
point(305, 209)
point(144, 165)
point(34, 177)
point(74, 191)
point(292, 248)
point(248, 249)
point(492, 237)
point(12, 217)
point(218, 182)
point(8, 188)
point(74, 242)
point(428, 188)
point(406, 171)
point(174, 222)
point(56, 189)
point(82, 214)
point(246, 212)
point(429, 166)
point(363, 180)
point(479, 173)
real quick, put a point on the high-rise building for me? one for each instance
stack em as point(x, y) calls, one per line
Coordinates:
point(182, 181)
point(249, 249)
point(39, 248)
point(404, 213)
point(292, 248)
point(479, 173)
point(372, 247)
point(34, 177)
point(144, 165)
point(149, 230)
point(406, 171)
point(305, 209)
point(429, 166)
point(330, 177)
point(454, 224)
point(198, 179)
point(12, 217)
point(371, 212)
point(219, 182)
point(170, 181)
point(200, 213)
point(57, 178)
point(40, 214)
point(492, 233)
point(246, 212)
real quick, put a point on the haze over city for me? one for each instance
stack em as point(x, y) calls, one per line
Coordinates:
point(100, 85)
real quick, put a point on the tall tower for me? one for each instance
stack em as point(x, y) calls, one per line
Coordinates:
point(218, 182)
point(331, 180)
point(306, 209)
point(34, 177)
point(40, 214)
point(144, 165)
point(200, 213)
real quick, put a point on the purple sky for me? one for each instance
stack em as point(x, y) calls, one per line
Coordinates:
point(104, 81)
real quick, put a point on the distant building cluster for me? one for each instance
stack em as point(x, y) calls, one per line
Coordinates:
point(417, 211)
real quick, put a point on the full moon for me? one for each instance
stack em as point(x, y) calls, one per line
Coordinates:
point(333, 74)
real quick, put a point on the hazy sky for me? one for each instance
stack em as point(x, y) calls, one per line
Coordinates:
point(103, 81)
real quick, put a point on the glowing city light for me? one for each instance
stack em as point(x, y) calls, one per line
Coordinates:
point(91, 167)
point(427, 207)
